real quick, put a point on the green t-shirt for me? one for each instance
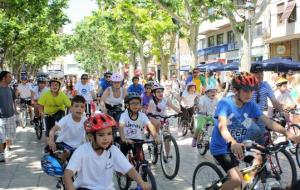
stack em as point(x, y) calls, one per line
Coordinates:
point(54, 104)
point(202, 79)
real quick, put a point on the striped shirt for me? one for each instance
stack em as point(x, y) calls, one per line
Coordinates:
point(265, 92)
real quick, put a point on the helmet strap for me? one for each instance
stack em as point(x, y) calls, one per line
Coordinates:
point(238, 96)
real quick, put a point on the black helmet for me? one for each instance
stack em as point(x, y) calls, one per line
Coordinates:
point(107, 73)
point(256, 68)
point(131, 96)
point(42, 77)
point(149, 83)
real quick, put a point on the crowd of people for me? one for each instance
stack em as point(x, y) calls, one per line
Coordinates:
point(237, 104)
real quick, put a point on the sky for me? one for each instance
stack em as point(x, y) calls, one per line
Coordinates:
point(77, 10)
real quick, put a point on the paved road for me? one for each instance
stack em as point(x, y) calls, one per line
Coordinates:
point(22, 170)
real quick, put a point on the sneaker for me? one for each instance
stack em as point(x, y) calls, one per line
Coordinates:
point(194, 142)
point(2, 157)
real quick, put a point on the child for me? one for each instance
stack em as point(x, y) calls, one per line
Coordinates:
point(236, 122)
point(133, 122)
point(146, 96)
point(187, 101)
point(207, 106)
point(96, 160)
point(71, 126)
point(283, 95)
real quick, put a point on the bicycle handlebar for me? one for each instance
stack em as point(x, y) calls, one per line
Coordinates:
point(268, 149)
point(164, 117)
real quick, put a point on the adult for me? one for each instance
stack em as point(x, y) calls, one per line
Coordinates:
point(136, 86)
point(85, 89)
point(7, 113)
point(104, 83)
point(23, 91)
point(175, 84)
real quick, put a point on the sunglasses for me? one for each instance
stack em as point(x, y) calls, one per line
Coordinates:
point(107, 76)
point(84, 78)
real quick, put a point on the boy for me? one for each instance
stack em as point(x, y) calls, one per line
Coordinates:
point(133, 122)
point(96, 160)
point(71, 126)
point(235, 123)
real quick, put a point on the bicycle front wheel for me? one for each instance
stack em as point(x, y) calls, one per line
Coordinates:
point(169, 157)
point(153, 153)
point(207, 176)
point(283, 165)
point(202, 144)
point(298, 154)
point(184, 127)
point(38, 129)
point(149, 177)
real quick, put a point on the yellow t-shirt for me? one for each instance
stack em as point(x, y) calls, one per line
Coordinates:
point(197, 81)
point(54, 104)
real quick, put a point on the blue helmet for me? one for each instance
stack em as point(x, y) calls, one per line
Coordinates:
point(51, 166)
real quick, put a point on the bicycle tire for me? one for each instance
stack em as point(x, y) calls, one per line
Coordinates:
point(164, 158)
point(298, 154)
point(292, 165)
point(149, 177)
point(38, 130)
point(123, 181)
point(206, 183)
point(184, 127)
point(202, 146)
point(153, 153)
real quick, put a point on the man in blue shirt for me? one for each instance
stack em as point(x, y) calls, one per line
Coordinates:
point(135, 86)
point(235, 122)
point(104, 83)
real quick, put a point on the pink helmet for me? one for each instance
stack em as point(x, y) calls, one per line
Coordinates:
point(156, 86)
point(116, 77)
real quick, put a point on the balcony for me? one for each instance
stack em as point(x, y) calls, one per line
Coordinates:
point(218, 49)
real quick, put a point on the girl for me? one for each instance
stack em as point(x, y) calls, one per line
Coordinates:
point(146, 96)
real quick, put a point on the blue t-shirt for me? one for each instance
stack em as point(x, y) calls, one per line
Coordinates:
point(103, 84)
point(136, 88)
point(241, 124)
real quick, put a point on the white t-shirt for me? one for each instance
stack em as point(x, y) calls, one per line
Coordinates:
point(161, 105)
point(134, 128)
point(84, 90)
point(38, 93)
point(25, 90)
point(96, 171)
point(285, 99)
point(72, 132)
point(188, 99)
point(207, 105)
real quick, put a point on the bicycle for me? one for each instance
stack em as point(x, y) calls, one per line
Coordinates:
point(167, 157)
point(203, 137)
point(268, 170)
point(141, 165)
point(25, 118)
point(38, 124)
point(186, 122)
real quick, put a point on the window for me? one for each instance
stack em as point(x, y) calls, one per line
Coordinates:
point(211, 41)
point(280, 10)
point(230, 37)
point(220, 39)
point(201, 44)
point(258, 30)
point(293, 16)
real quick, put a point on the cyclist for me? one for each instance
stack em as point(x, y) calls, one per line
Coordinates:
point(133, 122)
point(135, 86)
point(158, 105)
point(187, 101)
point(23, 91)
point(113, 97)
point(104, 83)
point(85, 89)
point(37, 91)
point(195, 78)
point(95, 161)
point(207, 105)
point(235, 122)
point(52, 105)
point(283, 95)
point(71, 126)
point(146, 96)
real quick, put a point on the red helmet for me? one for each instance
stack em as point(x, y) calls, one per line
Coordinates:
point(245, 81)
point(99, 121)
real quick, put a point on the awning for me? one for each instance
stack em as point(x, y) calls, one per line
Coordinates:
point(185, 68)
point(283, 38)
point(289, 9)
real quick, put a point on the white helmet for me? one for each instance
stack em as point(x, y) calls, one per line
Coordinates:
point(191, 84)
point(116, 77)
point(211, 87)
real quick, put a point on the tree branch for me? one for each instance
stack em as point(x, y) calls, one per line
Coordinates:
point(233, 21)
point(175, 16)
point(189, 10)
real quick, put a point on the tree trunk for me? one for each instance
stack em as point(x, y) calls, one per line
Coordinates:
point(131, 64)
point(193, 44)
point(245, 53)
point(163, 62)
point(142, 59)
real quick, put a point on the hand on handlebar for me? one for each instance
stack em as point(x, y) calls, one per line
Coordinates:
point(237, 149)
point(295, 139)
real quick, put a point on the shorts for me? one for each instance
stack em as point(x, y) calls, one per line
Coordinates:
point(227, 161)
point(125, 148)
point(7, 128)
point(50, 120)
point(25, 101)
